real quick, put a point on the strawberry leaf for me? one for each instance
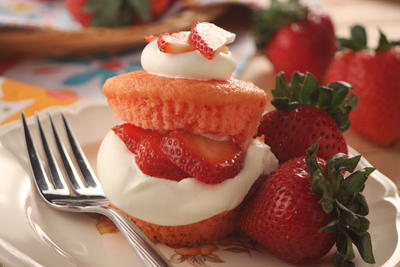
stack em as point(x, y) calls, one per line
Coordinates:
point(359, 205)
point(358, 40)
point(359, 35)
point(345, 247)
point(364, 245)
point(324, 98)
point(142, 8)
point(117, 12)
point(321, 186)
point(384, 44)
point(305, 90)
point(311, 158)
point(330, 227)
point(297, 79)
point(282, 102)
point(309, 86)
point(341, 91)
point(280, 13)
point(342, 162)
point(334, 167)
point(281, 87)
point(107, 13)
point(355, 182)
point(343, 197)
point(351, 219)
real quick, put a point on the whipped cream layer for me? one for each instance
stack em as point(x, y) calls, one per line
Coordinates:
point(189, 65)
point(171, 203)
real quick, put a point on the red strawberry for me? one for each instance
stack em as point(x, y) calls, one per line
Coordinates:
point(159, 6)
point(131, 135)
point(152, 161)
point(175, 43)
point(209, 39)
point(75, 7)
point(290, 132)
point(207, 160)
point(375, 76)
point(116, 12)
point(296, 38)
point(307, 113)
point(297, 216)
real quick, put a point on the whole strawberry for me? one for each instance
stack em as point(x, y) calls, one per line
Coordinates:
point(306, 113)
point(116, 12)
point(296, 38)
point(376, 77)
point(307, 204)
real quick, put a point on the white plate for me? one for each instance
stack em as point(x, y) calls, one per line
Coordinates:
point(33, 234)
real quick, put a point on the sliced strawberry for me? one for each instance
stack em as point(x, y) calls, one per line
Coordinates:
point(150, 38)
point(152, 161)
point(175, 43)
point(209, 39)
point(131, 135)
point(207, 160)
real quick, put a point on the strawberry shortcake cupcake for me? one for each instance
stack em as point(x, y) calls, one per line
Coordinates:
point(185, 157)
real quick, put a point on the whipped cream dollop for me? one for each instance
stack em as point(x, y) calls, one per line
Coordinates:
point(171, 203)
point(188, 65)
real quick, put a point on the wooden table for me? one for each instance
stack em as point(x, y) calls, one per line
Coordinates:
point(372, 14)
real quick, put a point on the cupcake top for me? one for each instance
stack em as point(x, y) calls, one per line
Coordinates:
point(187, 85)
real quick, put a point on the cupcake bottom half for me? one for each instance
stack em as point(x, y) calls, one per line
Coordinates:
point(191, 235)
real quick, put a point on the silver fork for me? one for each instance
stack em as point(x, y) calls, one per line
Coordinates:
point(83, 195)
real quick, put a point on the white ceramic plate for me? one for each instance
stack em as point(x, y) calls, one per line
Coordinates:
point(33, 234)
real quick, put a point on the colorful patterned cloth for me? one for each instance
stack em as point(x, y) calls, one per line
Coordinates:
point(42, 14)
point(16, 97)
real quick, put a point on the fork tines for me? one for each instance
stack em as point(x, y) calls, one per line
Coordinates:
point(82, 183)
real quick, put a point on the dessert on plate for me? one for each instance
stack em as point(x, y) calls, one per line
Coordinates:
point(185, 165)
point(185, 157)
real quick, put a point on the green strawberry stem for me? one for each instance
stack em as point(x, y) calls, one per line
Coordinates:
point(305, 90)
point(280, 13)
point(343, 196)
point(358, 40)
point(117, 12)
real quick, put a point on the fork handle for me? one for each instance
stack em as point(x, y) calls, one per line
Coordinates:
point(145, 249)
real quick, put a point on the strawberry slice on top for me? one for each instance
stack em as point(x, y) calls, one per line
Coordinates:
point(209, 39)
point(209, 161)
point(174, 43)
